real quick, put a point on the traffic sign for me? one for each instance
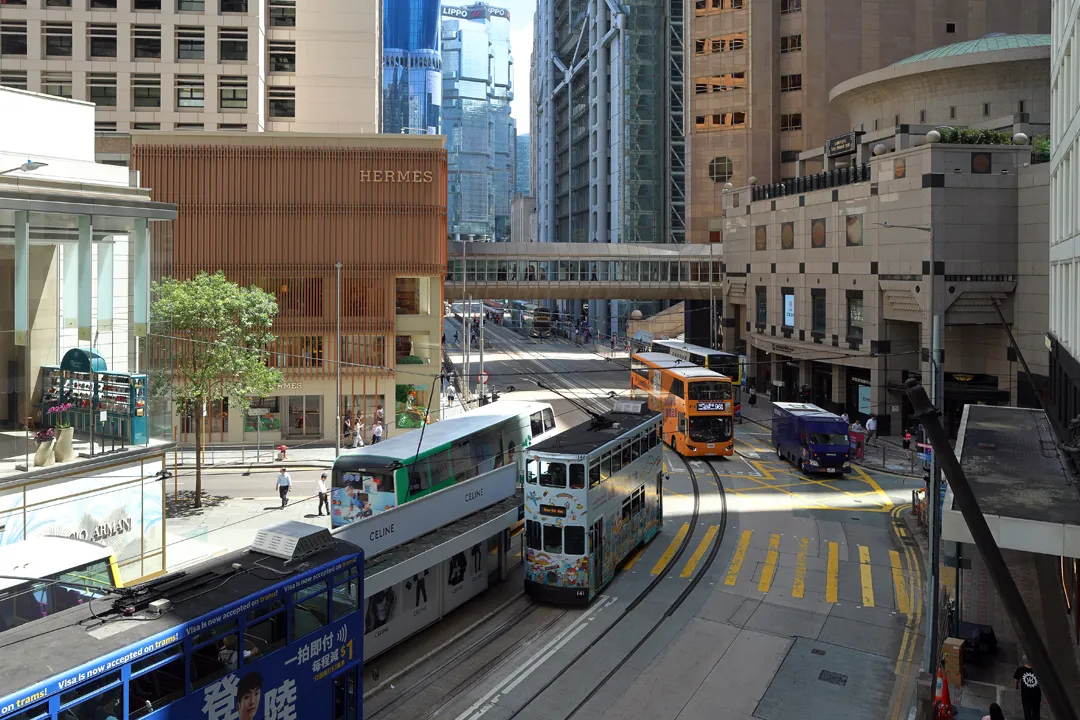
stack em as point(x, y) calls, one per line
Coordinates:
point(483, 377)
point(258, 411)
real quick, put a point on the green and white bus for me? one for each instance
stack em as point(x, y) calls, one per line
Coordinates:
point(378, 477)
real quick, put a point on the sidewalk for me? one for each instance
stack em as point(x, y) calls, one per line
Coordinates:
point(264, 456)
point(223, 524)
point(885, 454)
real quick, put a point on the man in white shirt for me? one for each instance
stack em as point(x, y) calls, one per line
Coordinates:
point(871, 430)
point(324, 495)
point(284, 482)
point(230, 656)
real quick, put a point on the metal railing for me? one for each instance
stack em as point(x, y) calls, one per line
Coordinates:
point(818, 181)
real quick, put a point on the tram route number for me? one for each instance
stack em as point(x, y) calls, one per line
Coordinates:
point(553, 510)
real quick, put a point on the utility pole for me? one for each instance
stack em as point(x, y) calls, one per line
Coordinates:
point(712, 304)
point(483, 386)
point(337, 435)
point(467, 313)
point(1004, 583)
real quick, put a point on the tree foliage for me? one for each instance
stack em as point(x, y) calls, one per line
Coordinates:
point(221, 332)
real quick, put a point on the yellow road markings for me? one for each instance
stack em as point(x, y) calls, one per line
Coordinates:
point(634, 557)
point(702, 546)
point(799, 588)
point(902, 604)
point(670, 552)
point(737, 559)
point(669, 491)
point(831, 569)
point(867, 580)
point(753, 447)
point(771, 559)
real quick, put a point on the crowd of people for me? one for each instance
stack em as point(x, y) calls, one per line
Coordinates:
point(353, 428)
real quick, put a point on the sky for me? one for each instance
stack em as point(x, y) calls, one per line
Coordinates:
point(521, 40)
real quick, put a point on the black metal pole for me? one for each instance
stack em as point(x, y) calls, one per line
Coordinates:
point(1016, 349)
point(995, 563)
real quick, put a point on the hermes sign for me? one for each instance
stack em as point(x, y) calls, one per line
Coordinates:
point(396, 176)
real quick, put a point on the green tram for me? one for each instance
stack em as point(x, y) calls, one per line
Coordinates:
point(378, 477)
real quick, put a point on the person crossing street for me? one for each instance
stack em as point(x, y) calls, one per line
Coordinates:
point(284, 484)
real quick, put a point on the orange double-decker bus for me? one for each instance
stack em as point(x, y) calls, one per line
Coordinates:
point(697, 403)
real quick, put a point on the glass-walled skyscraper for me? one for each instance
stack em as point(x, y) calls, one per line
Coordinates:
point(412, 66)
point(481, 136)
point(521, 182)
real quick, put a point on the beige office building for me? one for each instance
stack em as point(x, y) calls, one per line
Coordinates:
point(255, 65)
point(759, 76)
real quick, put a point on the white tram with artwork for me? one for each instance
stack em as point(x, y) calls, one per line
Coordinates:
point(593, 494)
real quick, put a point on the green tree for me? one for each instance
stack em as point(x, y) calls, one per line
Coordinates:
point(221, 332)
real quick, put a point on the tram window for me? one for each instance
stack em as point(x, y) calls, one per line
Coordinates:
point(266, 607)
point(88, 687)
point(530, 471)
point(549, 420)
point(575, 540)
point(268, 635)
point(552, 474)
point(594, 473)
point(536, 424)
point(635, 449)
point(626, 508)
point(343, 599)
point(418, 477)
point(219, 629)
point(209, 662)
point(36, 713)
point(157, 688)
point(462, 461)
point(616, 461)
point(532, 534)
point(108, 703)
point(309, 610)
point(627, 453)
point(638, 500)
point(552, 539)
point(577, 476)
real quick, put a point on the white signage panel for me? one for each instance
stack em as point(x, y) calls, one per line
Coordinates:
point(415, 518)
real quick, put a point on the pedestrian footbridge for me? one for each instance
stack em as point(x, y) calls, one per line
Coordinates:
point(581, 271)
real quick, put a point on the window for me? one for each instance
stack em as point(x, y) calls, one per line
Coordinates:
point(820, 311)
point(854, 315)
point(788, 296)
point(721, 121)
point(720, 44)
point(552, 474)
point(952, 112)
point(101, 89)
point(145, 42)
point(791, 83)
point(532, 534)
point(103, 4)
point(787, 156)
point(232, 126)
point(13, 37)
point(720, 83)
point(282, 13)
point(233, 44)
point(188, 126)
point(922, 116)
point(155, 126)
point(716, 236)
point(1020, 106)
point(111, 701)
point(190, 92)
point(309, 610)
point(986, 109)
point(282, 56)
point(549, 419)
point(208, 662)
point(142, 5)
point(234, 6)
point(102, 40)
point(57, 39)
point(57, 84)
point(190, 43)
point(790, 6)
point(269, 635)
point(761, 301)
point(721, 169)
point(536, 424)
point(53, 3)
point(575, 540)
point(594, 473)
point(790, 44)
point(577, 476)
point(232, 92)
point(158, 687)
point(146, 91)
point(282, 102)
point(552, 539)
point(950, 28)
point(677, 388)
point(403, 346)
point(791, 121)
point(699, 47)
point(190, 5)
point(407, 296)
point(13, 79)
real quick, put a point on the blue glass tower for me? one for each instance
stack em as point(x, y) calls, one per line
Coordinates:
point(412, 66)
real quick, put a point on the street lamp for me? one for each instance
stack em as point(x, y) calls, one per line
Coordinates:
point(933, 491)
point(28, 166)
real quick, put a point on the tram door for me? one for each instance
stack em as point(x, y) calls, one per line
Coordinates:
point(346, 696)
point(660, 496)
point(596, 553)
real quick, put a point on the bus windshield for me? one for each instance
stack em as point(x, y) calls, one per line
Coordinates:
point(709, 390)
point(710, 428)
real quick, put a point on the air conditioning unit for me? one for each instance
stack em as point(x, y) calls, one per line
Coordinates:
point(629, 407)
point(291, 540)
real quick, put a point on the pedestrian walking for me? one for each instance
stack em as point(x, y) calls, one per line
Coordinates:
point(444, 338)
point(457, 338)
point(907, 440)
point(346, 428)
point(358, 434)
point(994, 713)
point(871, 430)
point(324, 495)
point(377, 433)
point(1030, 691)
point(380, 419)
point(753, 397)
point(847, 421)
point(284, 483)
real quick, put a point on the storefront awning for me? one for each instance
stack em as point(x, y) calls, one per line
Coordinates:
point(83, 361)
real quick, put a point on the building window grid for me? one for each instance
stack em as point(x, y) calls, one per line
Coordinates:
point(791, 83)
point(790, 44)
point(101, 89)
point(146, 42)
point(232, 92)
point(281, 103)
point(233, 6)
point(56, 37)
point(282, 13)
point(190, 43)
point(790, 121)
point(720, 44)
point(190, 92)
point(282, 56)
point(14, 79)
point(146, 5)
point(191, 6)
point(101, 40)
point(57, 3)
point(790, 6)
point(720, 83)
point(146, 91)
point(13, 38)
point(233, 44)
point(57, 84)
point(721, 121)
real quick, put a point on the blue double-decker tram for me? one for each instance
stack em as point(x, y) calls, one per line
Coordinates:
point(274, 632)
point(592, 495)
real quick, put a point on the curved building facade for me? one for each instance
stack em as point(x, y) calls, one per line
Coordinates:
point(412, 66)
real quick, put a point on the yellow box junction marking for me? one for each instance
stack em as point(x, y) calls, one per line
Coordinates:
point(831, 570)
point(737, 559)
point(701, 548)
point(771, 559)
point(799, 588)
point(670, 552)
point(867, 581)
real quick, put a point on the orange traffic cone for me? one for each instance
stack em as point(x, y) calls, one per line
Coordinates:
point(943, 707)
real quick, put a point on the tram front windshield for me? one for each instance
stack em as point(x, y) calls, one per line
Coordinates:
point(709, 390)
point(709, 428)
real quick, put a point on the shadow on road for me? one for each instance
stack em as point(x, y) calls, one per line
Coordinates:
point(183, 505)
